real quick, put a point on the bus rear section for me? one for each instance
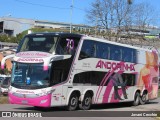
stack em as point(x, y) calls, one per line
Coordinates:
point(80, 71)
point(109, 72)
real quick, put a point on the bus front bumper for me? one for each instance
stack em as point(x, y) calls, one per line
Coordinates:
point(43, 101)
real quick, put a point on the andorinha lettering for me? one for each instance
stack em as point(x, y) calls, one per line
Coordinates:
point(30, 60)
point(20, 91)
point(37, 54)
point(115, 66)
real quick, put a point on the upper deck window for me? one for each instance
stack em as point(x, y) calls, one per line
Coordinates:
point(67, 45)
point(96, 49)
point(38, 43)
point(61, 45)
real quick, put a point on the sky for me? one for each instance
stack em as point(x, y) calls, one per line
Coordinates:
point(51, 10)
point(54, 10)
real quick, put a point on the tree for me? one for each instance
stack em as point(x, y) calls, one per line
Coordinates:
point(143, 15)
point(108, 14)
point(121, 15)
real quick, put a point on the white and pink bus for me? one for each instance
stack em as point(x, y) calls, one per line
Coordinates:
point(62, 69)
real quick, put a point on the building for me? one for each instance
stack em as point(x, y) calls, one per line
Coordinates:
point(136, 30)
point(13, 26)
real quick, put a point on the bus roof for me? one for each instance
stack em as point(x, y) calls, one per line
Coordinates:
point(55, 33)
point(116, 43)
point(89, 37)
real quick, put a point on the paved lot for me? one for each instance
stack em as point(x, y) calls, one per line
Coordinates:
point(153, 105)
point(96, 111)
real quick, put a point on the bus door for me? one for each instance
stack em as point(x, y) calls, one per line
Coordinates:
point(59, 77)
point(56, 77)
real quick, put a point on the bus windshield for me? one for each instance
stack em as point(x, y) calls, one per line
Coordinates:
point(61, 45)
point(38, 43)
point(29, 76)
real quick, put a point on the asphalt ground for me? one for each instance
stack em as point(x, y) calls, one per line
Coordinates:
point(105, 111)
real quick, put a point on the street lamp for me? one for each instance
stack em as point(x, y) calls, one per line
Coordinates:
point(129, 2)
point(71, 16)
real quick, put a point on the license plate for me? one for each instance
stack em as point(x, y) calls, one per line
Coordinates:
point(6, 90)
point(24, 101)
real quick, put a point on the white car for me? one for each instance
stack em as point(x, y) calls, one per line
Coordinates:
point(159, 82)
point(4, 85)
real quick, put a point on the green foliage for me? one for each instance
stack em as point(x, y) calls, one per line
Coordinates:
point(6, 38)
point(5, 71)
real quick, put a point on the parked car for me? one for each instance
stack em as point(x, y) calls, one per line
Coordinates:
point(5, 83)
point(159, 82)
point(2, 77)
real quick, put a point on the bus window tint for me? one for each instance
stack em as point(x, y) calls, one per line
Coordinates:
point(88, 49)
point(95, 49)
point(38, 43)
point(129, 79)
point(89, 77)
point(62, 46)
point(102, 50)
point(116, 53)
point(134, 56)
point(127, 55)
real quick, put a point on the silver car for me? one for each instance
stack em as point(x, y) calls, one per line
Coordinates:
point(5, 85)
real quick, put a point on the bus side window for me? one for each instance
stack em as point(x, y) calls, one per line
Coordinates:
point(89, 77)
point(102, 50)
point(62, 45)
point(129, 79)
point(56, 76)
point(82, 78)
point(87, 50)
point(126, 54)
point(116, 53)
point(134, 56)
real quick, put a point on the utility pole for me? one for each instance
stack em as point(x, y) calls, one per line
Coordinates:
point(71, 16)
point(96, 25)
point(129, 2)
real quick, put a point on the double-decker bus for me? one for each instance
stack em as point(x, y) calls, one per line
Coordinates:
point(62, 69)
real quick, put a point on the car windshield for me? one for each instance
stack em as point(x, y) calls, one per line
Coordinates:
point(6, 81)
point(38, 43)
point(29, 76)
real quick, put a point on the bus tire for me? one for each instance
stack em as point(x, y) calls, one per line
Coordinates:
point(73, 102)
point(143, 99)
point(87, 102)
point(136, 99)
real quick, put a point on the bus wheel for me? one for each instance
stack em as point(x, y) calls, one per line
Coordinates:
point(86, 103)
point(143, 99)
point(136, 99)
point(73, 102)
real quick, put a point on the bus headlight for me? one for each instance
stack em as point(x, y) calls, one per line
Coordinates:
point(9, 89)
point(43, 101)
point(45, 93)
